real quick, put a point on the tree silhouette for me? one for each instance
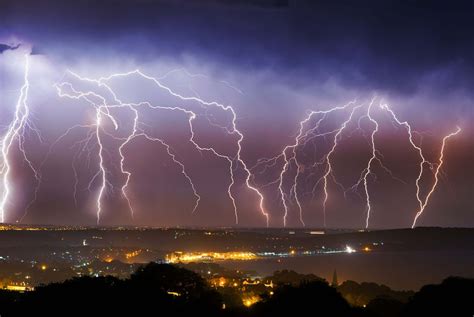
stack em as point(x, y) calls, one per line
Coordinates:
point(155, 287)
point(317, 297)
point(361, 294)
point(453, 297)
point(289, 277)
point(162, 289)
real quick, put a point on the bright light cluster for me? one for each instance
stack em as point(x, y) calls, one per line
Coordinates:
point(186, 257)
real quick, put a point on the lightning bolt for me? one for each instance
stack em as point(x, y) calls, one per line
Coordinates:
point(292, 159)
point(329, 169)
point(376, 157)
point(422, 203)
point(101, 162)
point(16, 133)
point(309, 131)
point(423, 160)
point(103, 110)
point(234, 131)
point(436, 175)
point(373, 158)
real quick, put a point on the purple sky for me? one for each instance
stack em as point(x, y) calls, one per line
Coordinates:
point(272, 61)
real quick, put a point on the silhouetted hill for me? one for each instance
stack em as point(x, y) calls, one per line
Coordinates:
point(363, 293)
point(167, 239)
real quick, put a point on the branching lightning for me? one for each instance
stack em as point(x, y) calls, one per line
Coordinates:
point(423, 162)
point(314, 129)
point(436, 175)
point(104, 110)
point(16, 134)
point(329, 169)
point(308, 133)
point(373, 157)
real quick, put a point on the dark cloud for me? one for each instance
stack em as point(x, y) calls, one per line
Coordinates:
point(35, 50)
point(6, 47)
point(250, 3)
point(388, 45)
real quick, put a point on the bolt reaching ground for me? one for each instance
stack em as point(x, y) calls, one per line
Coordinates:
point(312, 129)
point(103, 109)
point(422, 203)
point(15, 135)
point(436, 175)
point(307, 133)
point(329, 169)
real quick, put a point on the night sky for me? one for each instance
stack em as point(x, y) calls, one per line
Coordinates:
point(273, 61)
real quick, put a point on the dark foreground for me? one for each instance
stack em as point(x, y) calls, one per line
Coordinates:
point(162, 289)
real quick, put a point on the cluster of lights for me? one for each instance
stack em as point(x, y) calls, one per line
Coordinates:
point(251, 300)
point(185, 257)
point(350, 249)
point(133, 254)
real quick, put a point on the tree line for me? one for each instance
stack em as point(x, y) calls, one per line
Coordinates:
point(169, 290)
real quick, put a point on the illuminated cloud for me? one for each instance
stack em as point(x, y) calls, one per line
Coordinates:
point(273, 63)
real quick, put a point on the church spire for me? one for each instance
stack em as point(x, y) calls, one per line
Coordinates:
point(334, 283)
